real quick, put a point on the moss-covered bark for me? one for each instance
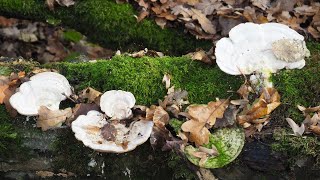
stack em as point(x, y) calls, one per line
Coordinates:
point(143, 77)
point(110, 24)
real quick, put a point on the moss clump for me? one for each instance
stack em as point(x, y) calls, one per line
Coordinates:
point(301, 86)
point(72, 35)
point(143, 77)
point(296, 147)
point(110, 24)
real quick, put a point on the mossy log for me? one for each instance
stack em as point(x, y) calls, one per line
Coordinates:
point(58, 149)
point(107, 23)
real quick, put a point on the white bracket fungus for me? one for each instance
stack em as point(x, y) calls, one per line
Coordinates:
point(264, 48)
point(117, 104)
point(44, 89)
point(89, 130)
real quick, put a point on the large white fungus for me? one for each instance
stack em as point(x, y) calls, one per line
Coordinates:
point(262, 48)
point(117, 104)
point(88, 129)
point(44, 89)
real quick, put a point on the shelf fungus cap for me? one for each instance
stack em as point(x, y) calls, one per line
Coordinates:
point(44, 89)
point(117, 104)
point(90, 130)
point(265, 47)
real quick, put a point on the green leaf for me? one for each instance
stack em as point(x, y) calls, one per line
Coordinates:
point(229, 143)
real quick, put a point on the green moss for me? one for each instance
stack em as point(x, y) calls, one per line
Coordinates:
point(143, 77)
point(5, 71)
point(301, 86)
point(176, 124)
point(72, 35)
point(18, 66)
point(110, 24)
point(296, 147)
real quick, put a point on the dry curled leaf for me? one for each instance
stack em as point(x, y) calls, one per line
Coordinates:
point(160, 117)
point(259, 112)
point(8, 86)
point(4, 85)
point(297, 130)
point(166, 80)
point(91, 95)
point(50, 119)
point(51, 3)
point(205, 23)
point(228, 119)
point(198, 133)
point(208, 113)
point(200, 55)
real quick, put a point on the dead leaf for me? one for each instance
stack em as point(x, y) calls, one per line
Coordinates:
point(8, 86)
point(208, 113)
point(139, 54)
point(228, 23)
point(198, 133)
point(205, 23)
point(177, 97)
point(313, 32)
point(143, 4)
point(208, 7)
point(91, 95)
point(45, 174)
point(4, 85)
point(308, 110)
point(82, 109)
point(228, 119)
point(212, 152)
point(66, 3)
point(200, 55)
point(183, 136)
point(244, 90)
point(259, 112)
point(7, 22)
point(262, 4)
point(50, 119)
point(315, 129)
point(51, 3)
point(166, 80)
point(150, 112)
point(202, 115)
point(109, 132)
point(161, 22)
point(160, 117)
point(297, 130)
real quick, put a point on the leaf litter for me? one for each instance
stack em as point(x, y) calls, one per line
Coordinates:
point(311, 122)
point(212, 19)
